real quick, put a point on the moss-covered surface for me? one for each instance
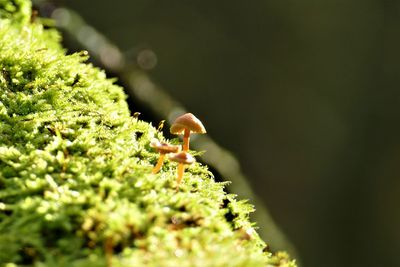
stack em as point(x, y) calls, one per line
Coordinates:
point(75, 171)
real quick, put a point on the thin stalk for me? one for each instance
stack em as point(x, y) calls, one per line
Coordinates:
point(186, 140)
point(109, 250)
point(159, 164)
point(181, 169)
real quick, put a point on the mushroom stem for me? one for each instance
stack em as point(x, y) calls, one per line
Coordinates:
point(186, 139)
point(181, 169)
point(108, 247)
point(159, 164)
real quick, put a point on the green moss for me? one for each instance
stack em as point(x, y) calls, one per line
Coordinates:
point(75, 171)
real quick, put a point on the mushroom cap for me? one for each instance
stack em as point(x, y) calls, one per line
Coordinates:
point(182, 157)
point(164, 148)
point(187, 121)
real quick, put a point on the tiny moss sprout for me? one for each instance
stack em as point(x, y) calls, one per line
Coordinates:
point(161, 125)
point(136, 115)
point(187, 124)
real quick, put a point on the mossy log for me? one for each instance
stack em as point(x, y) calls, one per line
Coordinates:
point(76, 187)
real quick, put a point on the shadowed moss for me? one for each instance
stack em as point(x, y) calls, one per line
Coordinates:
point(75, 171)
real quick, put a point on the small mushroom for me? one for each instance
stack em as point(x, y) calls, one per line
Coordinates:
point(187, 124)
point(162, 148)
point(183, 158)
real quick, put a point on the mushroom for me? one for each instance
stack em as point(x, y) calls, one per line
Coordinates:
point(187, 124)
point(162, 148)
point(183, 158)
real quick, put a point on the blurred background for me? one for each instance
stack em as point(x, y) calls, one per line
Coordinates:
point(304, 93)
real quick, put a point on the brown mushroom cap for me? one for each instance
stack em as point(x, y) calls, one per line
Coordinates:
point(164, 148)
point(187, 121)
point(182, 157)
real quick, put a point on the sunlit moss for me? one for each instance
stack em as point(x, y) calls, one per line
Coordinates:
point(75, 171)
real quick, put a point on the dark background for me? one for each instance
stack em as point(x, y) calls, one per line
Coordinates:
point(305, 94)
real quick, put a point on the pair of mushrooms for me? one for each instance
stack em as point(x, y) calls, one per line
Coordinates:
point(186, 125)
